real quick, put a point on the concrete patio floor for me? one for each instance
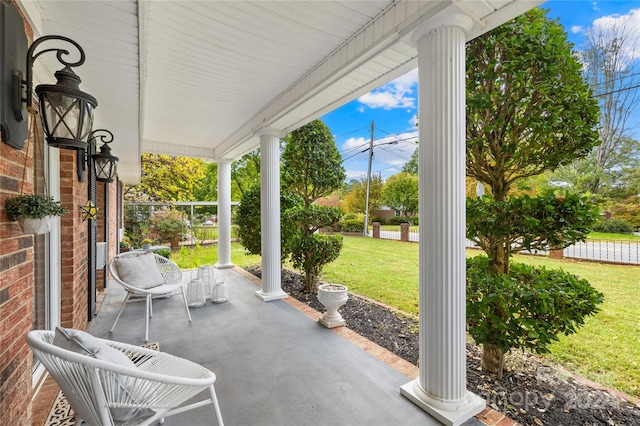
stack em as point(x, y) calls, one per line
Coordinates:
point(274, 364)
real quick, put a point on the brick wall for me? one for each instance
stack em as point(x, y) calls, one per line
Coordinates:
point(16, 293)
point(74, 245)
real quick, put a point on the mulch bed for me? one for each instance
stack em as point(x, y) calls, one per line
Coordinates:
point(532, 391)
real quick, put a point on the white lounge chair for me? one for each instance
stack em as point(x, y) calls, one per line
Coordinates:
point(148, 275)
point(111, 383)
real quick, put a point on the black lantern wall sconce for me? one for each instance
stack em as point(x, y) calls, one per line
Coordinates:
point(65, 110)
point(105, 165)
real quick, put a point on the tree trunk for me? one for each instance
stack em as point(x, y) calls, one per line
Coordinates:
point(309, 283)
point(498, 259)
point(175, 243)
point(492, 359)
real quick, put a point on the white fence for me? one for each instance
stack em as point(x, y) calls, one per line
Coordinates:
point(603, 251)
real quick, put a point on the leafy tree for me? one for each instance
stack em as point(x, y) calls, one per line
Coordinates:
point(628, 210)
point(249, 225)
point(208, 189)
point(312, 168)
point(167, 178)
point(311, 163)
point(528, 111)
point(528, 108)
point(612, 179)
point(245, 173)
point(613, 72)
point(411, 166)
point(354, 200)
point(400, 193)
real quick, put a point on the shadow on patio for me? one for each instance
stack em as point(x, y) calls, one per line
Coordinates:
point(274, 364)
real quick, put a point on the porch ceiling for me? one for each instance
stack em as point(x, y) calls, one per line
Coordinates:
point(201, 78)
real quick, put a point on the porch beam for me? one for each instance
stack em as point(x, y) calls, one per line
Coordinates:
point(441, 386)
point(270, 215)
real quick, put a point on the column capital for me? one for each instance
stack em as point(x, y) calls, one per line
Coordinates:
point(450, 17)
point(270, 131)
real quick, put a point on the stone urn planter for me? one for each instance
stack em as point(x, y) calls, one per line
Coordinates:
point(332, 296)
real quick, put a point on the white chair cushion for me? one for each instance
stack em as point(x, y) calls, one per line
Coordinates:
point(139, 271)
point(85, 344)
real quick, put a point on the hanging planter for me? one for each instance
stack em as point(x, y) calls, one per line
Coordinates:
point(37, 226)
point(35, 212)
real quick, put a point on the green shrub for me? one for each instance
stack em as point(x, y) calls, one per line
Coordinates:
point(352, 225)
point(527, 309)
point(248, 222)
point(164, 253)
point(397, 220)
point(378, 219)
point(349, 216)
point(613, 226)
point(311, 253)
point(170, 226)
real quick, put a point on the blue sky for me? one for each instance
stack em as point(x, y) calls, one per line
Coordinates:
point(393, 107)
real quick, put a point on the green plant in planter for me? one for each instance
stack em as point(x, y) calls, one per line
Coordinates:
point(170, 227)
point(147, 241)
point(33, 206)
point(125, 243)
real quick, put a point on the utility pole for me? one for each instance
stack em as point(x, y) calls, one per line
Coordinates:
point(365, 232)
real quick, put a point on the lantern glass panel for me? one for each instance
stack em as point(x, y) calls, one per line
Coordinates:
point(67, 119)
point(105, 169)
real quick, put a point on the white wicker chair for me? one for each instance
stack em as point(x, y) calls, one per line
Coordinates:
point(171, 274)
point(158, 383)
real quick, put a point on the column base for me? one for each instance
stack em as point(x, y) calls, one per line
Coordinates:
point(224, 265)
point(447, 413)
point(267, 297)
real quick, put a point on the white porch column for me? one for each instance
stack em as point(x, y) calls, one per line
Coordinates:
point(441, 387)
point(270, 215)
point(224, 214)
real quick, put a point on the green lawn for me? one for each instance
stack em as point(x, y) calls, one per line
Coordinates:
point(613, 237)
point(604, 350)
point(188, 258)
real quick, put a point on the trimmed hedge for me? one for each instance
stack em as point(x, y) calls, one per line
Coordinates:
point(527, 309)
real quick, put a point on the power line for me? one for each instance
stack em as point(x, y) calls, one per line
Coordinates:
point(617, 78)
point(617, 91)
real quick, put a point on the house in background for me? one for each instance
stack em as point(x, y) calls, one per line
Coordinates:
point(216, 80)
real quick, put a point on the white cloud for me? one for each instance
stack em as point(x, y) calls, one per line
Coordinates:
point(361, 108)
point(413, 121)
point(576, 29)
point(356, 174)
point(396, 94)
point(626, 26)
point(353, 143)
point(595, 5)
